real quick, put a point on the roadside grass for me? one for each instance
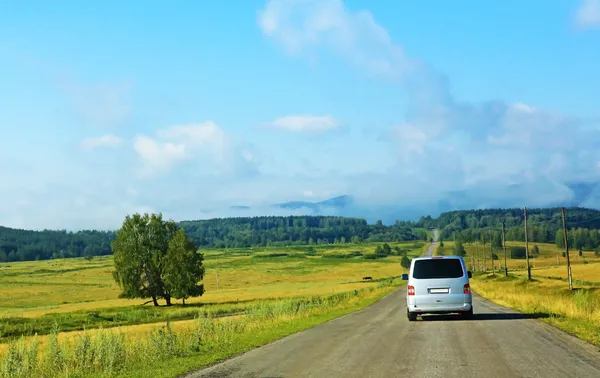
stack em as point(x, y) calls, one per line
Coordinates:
point(443, 251)
point(576, 312)
point(176, 349)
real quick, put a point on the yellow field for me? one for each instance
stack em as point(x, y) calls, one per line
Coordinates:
point(31, 289)
point(588, 272)
point(159, 351)
point(78, 288)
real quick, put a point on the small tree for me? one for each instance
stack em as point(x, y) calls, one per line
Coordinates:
point(459, 249)
point(442, 244)
point(386, 249)
point(536, 250)
point(183, 268)
point(580, 252)
point(405, 261)
point(596, 252)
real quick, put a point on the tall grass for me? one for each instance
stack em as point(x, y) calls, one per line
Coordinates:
point(109, 352)
point(577, 312)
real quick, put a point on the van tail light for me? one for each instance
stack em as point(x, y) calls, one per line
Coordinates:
point(467, 289)
point(411, 290)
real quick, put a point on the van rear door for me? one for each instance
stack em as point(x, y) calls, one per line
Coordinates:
point(439, 282)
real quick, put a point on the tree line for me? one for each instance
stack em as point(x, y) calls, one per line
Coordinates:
point(543, 226)
point(27, 245)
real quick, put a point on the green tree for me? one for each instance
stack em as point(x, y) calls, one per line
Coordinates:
point(387, 250)
point(405, 261)
point(139, 249)
point(183, 268)
point(459, 249)
point(535, 251)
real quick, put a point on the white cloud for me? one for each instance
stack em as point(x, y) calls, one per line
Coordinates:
point(158, 155)
point(306, 123)
point(588, 14)
point(500, 151)
point(303, 27)
point(205, 144)
point(104, 141)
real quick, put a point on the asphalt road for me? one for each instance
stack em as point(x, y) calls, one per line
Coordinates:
point(379, 341)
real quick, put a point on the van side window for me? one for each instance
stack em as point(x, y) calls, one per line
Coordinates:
point(443, 268)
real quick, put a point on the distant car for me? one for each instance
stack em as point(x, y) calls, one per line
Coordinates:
point(438, 285)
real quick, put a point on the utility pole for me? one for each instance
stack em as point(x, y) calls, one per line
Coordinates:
point(472, 261)
point(492, 254)
point(504, 246)
point(484, 258)
point(570, 277)
point(527, 247)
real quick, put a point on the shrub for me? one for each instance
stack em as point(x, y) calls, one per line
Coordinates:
point(518, 252)
point(405, 262)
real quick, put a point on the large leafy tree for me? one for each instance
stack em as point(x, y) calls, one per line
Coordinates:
point(140, 248)
point(183, 268)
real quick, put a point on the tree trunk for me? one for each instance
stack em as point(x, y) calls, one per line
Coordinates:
point(183, 300)
point(154, 301)
point(168, 299)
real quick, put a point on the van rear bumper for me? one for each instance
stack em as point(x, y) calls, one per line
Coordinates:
point(445, 309)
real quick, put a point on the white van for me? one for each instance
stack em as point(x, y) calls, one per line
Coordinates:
point(438, 285)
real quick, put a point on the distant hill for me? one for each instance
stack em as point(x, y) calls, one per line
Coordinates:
point(336, 202)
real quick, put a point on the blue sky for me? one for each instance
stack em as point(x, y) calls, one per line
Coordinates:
point(191, 108)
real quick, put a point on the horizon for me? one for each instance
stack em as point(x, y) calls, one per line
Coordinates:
point(530, 211)
point(207, 111)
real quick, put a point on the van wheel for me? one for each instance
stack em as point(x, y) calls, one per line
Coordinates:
point(468, 314)
point(411, 316)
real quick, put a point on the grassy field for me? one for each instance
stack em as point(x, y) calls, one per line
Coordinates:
point(33, 289)
point(172, 350)
point(577, 311)
point(56, 300)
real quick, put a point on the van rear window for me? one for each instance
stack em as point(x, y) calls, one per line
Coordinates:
point(442, 268)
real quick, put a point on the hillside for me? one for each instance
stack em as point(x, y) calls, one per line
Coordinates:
point(25, 245)
point(544, 225)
